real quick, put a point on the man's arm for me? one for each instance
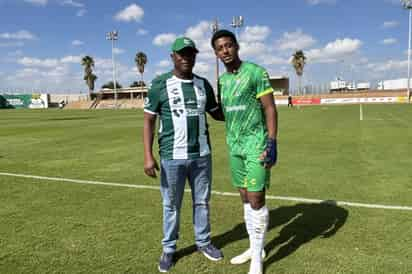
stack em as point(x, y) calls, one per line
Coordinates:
point(271, 116)
point(150, 164)
point(217, 113)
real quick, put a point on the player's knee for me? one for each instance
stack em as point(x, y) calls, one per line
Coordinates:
point(257, 206)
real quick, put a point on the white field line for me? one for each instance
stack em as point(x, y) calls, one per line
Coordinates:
point(360, 112)
point(269, 197)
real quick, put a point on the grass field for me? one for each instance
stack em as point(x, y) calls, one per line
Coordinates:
point(359, 154)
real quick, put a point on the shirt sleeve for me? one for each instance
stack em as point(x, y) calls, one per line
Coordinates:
point(263, 85)
point(211, 104)
point(152, 101)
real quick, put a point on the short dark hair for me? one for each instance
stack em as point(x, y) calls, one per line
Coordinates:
point(223, 33)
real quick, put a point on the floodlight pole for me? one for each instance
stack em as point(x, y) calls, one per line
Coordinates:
point(113, 36)
point(407, 4)
point(409, 54)
point(237, 22)
point(215, 28)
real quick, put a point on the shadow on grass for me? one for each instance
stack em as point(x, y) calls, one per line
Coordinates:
point(301, 224)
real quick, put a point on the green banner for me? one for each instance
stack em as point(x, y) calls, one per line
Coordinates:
point(23, 101)
point(15, 101)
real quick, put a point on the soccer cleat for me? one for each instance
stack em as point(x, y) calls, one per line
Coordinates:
point(245, 257)
point(166, 262)
point(211, 252)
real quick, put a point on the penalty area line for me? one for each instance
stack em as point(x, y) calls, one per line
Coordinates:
point(219, 193)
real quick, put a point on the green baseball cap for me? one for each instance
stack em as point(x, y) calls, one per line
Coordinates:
point(183, 42)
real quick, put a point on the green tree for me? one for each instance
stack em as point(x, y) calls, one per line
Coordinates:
point(109, 85)
point(141, 61)
point(89, 77)
point(137, 84)
point(298, 62)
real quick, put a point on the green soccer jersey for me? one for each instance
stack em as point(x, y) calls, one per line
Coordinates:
point(181, 106)
point(246, 130)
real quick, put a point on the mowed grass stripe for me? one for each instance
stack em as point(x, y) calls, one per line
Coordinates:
point(270, 197)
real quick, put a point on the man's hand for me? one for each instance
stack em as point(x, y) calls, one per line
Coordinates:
point(150, 167)
point(270, 154)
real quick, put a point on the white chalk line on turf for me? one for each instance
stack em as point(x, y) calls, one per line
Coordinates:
point(269, 197)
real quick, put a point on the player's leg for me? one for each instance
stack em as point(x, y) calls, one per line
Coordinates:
point(200, 180)
point(258, 180)
point(172, 181)
point(238, 171)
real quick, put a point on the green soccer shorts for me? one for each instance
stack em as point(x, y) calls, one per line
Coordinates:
point(248, 172)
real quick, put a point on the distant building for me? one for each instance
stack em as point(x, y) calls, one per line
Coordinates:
point(393, 84)
point(280, 85)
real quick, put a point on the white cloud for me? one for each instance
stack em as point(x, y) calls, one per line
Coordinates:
point(81, 12)
point(391, 65)
point(71, 59)
point(20, 35)
point(101, 63)
point(36, 62)
point(295, 40)
point(251, 49)
point(198, 32)
point(11, 44)
point(202, 68)
point(390, 24)
point(118, 51)
point(77, 43)
point(318, 2)
point(334, 50)
point(142, 32)
point(72, 3)
point(274, 60)
point(164, 39)
point(130, 13)
point(389, 41)
point(255, 33)
point(37, 2)
point(164, 64)
point(49, 62)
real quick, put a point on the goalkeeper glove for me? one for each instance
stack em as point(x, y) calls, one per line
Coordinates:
point(271, 152)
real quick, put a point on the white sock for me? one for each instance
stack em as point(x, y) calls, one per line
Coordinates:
point(248, 221)
point(260, 221)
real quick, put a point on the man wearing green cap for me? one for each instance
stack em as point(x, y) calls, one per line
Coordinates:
point(181, 99)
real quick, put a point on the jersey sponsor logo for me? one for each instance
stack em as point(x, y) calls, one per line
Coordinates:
point(177, 112)
point(191, 112)
point(176, 100)
point(235, 108)
point(175, 91)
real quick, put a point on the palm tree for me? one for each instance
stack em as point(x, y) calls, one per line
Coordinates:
point(89, 77)
point(298, 62)
point(141, 61)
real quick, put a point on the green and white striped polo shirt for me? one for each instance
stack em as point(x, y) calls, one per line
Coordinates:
point(181, 106)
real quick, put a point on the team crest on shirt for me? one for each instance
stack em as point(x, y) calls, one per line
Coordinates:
point(147, 102)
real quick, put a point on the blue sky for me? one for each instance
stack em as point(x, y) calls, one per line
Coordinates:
point(42, 41)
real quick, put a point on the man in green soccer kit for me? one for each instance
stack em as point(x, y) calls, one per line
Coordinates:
point(181, 99)
point(251, 127)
